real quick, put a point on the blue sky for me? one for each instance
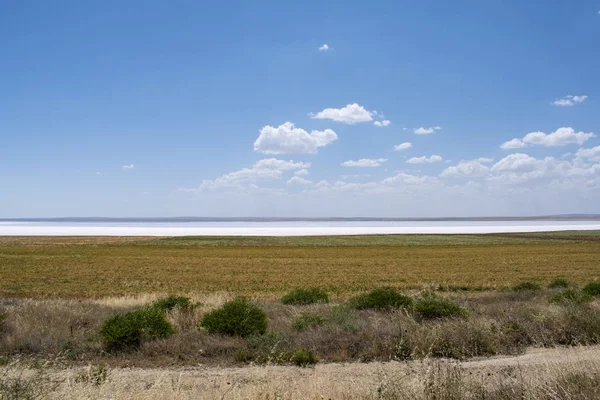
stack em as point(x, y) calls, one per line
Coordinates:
point(238, 108)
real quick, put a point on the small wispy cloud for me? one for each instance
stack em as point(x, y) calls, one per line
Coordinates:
point(383, 123)
point(98, 173)
point(427, 131)
point(425, 160)
point(569, 101)
point(364, 162)
point(403, 146)
point(324, 47)
point(130, 166)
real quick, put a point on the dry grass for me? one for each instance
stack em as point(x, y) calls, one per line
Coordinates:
point(63, 267)
point(567, 374)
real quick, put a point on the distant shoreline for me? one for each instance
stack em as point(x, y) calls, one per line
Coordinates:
point(563, 217)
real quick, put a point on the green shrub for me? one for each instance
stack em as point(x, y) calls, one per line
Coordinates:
point(302, 358)
point(236, 318)
point(381, 298)
point(526, 286)
point(171, 302)
point(302, 296)
point(559, 283)
point(123, 331)
point(307, 321)
point(572, 296)
point(432, 307)
point(592, 288)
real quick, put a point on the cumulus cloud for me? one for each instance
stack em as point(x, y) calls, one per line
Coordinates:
point(351, 114)
point(324, 47)
point(569, 101)
point(424, 160)
point(403, 146)
point(364, 162)
point(130, 166)
point(426, 131)
point(520, 168)
point(561, 137)
point(263, 170)
point(287, 139)
point(302, 171)
point(592, 154)
point(467, 169)
point(403, 178)
point(296, 180)
point(383, 123)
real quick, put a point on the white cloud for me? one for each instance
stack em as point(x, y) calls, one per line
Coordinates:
point(302, 171)
point(561, 137)
point(364, 162)
point(403, 178)
point(287, 139)
point(98, 173)
point(298, 181)
point(425, 160)
point(521, 168)
point(467, 168)
point(427, 131)
point(485, 160)
point(403, 146)
point(130, 166)
point(570, 101)
point(592, 154)
point(263, 170)
point(351, 114)
point(383, 123)
point(324, 47)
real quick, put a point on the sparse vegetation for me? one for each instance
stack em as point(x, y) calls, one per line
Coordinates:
point(302, 296)
point(381, 299)
point(237, 318)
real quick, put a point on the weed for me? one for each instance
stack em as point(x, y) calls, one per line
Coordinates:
point(307, 321)
point(236, 318)
point(302, 296)
point(125, 331)
point(571, 296)
point(558, 283)
point(433, 307)
point(381, 298)
point(171, 302)
point(526, 286)
point(592, 288)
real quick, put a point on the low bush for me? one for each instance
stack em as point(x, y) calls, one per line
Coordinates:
point(432, 307)
point(592, 288)
point(381, 298)
point(307, 321)
point(558, 283)
point(302, 296)
point(123, 331)
point(302, 358)
point(236, 318)
point(171, 302)
point(526, 286)
point(572, 296)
